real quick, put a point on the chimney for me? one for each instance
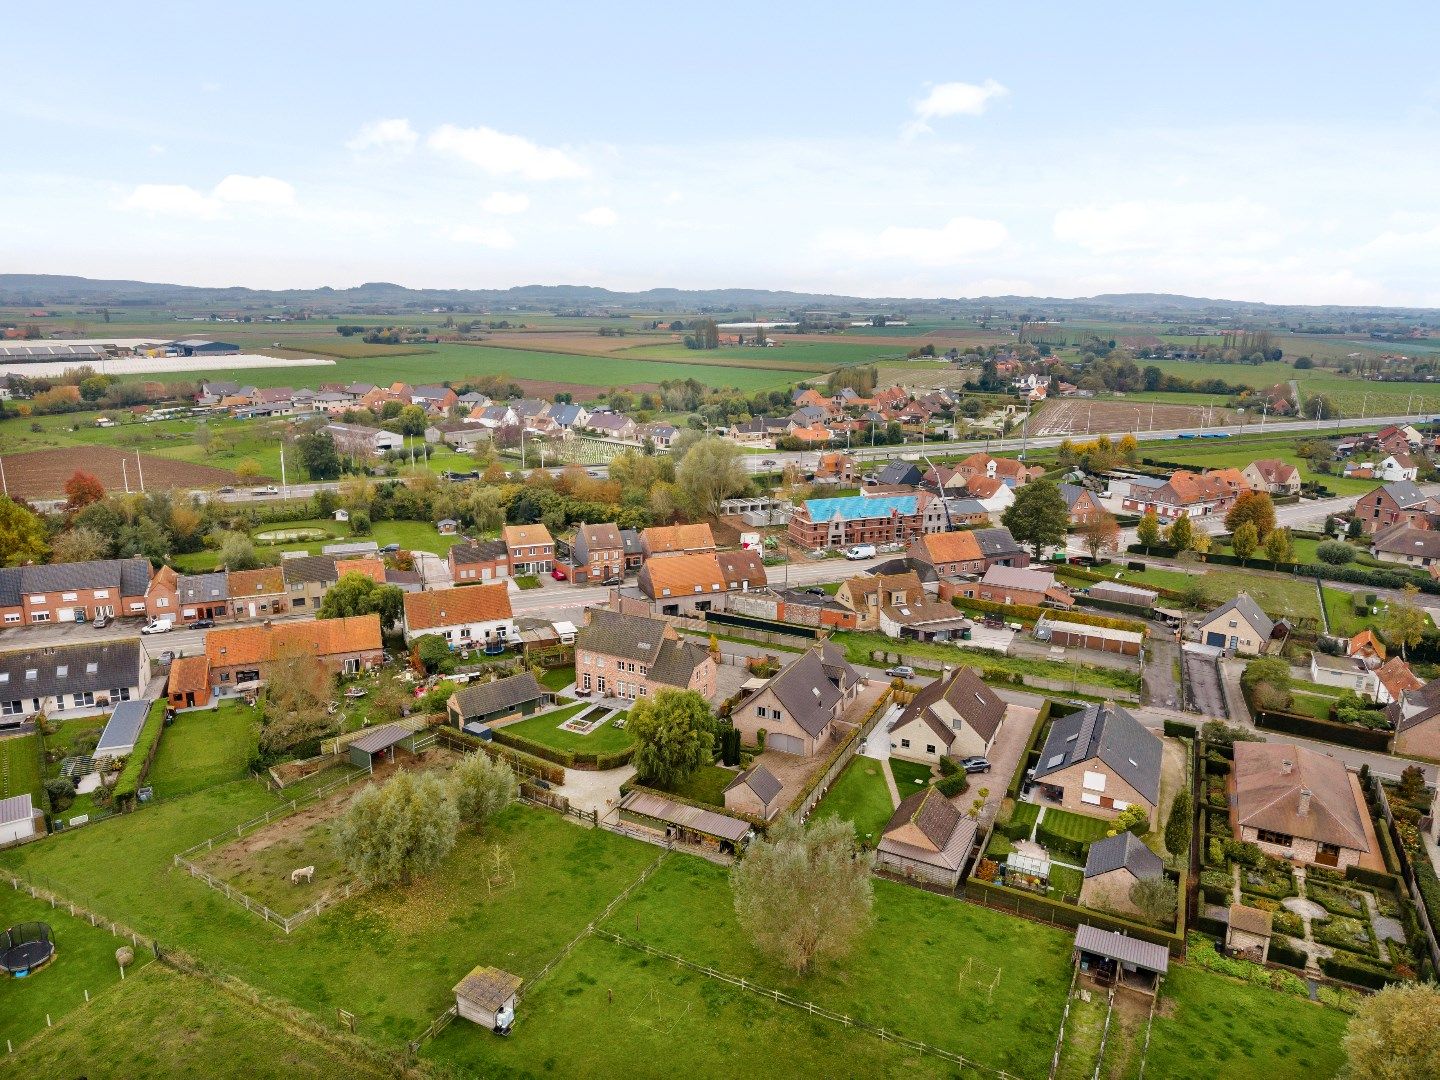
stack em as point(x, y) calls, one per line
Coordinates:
point(1286, 768)
point(1304, 807)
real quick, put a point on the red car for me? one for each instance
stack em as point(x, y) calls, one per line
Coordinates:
point(558, 574)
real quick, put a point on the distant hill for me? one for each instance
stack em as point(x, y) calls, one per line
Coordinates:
point(379, 297)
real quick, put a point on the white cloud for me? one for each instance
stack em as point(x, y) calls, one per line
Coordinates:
point(1154, 225)
point(953, 99)
point(504, 155)
point(956, 241)
point(395, 136)
point(505, 202)
point(181, 200)
point(602, 216)
point(490, 236)
point(260, 190)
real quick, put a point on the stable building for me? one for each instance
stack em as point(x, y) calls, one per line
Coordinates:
point(500, 699)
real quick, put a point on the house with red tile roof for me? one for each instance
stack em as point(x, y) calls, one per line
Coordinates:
point(471, 617)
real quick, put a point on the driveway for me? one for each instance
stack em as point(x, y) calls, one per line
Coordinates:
point(1161, 662)
point(1202, 683)
point(1004, 757)
point(598, 791)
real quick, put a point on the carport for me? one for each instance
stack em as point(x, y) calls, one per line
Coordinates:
point(378, 746)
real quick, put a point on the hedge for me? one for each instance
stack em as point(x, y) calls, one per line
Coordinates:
point(1034, 612)
point(1213, 927)
point(635, 785)
point(1064, 845)
point(1365, 876)
point(1176, 729)
point(1351, 971)
point(533, 748)
point(1362, 738)
point(611, 760)
point(1072, 915)
point(1282, 953)
point(137, 764)
point(527, 762)
point(1032, 746)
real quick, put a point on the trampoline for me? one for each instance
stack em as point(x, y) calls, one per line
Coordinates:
point(26, 948)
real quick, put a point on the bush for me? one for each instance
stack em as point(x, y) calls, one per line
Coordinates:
point(61, 791)
point(948, 767)
point(1350, 969)
point(1281, 952)
point(1335, 552)
point(138, 763)
point(953, 785)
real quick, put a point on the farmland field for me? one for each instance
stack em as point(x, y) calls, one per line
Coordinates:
point(1077, 416)
point(42, 474)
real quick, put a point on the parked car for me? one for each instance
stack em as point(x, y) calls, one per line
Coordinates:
point(975, 764)
point(203, 624)
point(390, 549)
point(615, 579)
point(101, 621)
point(901, 671)
point(861, 551)
point(558, 574)
point(157, 626)
point(226, 490)
point(815, 590)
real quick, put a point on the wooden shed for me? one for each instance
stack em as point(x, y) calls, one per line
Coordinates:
point(377, 746)
point(487, 996)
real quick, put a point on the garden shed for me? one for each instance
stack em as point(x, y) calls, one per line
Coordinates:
point(122, 729)
point(17, 819)
point(487, 996)
point(484, 703)
point(1110, 958)
point(690, 824)
point(378, 746)
point(1248, 933)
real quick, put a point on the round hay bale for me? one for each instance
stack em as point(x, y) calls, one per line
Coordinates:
point(124, 956)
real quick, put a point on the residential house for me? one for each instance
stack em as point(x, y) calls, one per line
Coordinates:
point(899, 474)
point(492, 417)
point(813, 435)
point(1366, 646)
point(1300, 805)
point(1274, 476)
point(1395, 680)
point(835, 468)
point(688, 584)
point(460, 434)
point(567, 416)
point(500, 699)
point(634, 549)
point(855, 520)
point(944, 480)
point(1345, 672)
point(187, 683)
point(1397, 467)
point(1407, 545)
point(370, 567)
point(307, 579)
point(798, 707)
point(755, 793)
point(1189, 494)
point(597, 555)
point(866, 594)
point(924, 619)
point(435, 399)
point(360, 441)
point(676, 539)
point(660, 434)
point(758, 431)
point(927, 838)
point(1416, 716)
point(1082, 503)
point(62, 680)
point(1029, 586)
point(1113, 866)
point(203, 596)
point(1397, 440)
point(1237, 626)
point(632, 656)
point(1400, 503)
point(241, 657)
point(73, 592)
point(1100, 760)
point(955, 716)
point(478, 561)
point(611, 425)
point(1010, 472)
point(967, 513)
point(472, 617)
point(531, 549)
point(472, 399)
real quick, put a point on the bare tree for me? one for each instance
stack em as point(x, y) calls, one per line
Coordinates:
point(803, 893)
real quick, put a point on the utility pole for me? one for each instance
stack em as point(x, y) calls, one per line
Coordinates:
point(4, 487)
point(140, 468)
point(125, 475)
point(284, 485)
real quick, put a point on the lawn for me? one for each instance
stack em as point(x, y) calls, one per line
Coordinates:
point(390, 956)
point(907, 973)
point(706, 784)
point(860, 795)
point(162, 1023)
point(1288, 597)
point(910, 776)
point(1311, 705)
point(20, 765)
point(410, 535)
point(1083, 1029)
point(1025, 813)
point(546, 729)
point(558, 678)
point(201, 749)
point(1079, 827)
point(84, 960)
point(1209, 1026)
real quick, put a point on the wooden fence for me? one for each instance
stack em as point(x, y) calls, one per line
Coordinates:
point(847, 750)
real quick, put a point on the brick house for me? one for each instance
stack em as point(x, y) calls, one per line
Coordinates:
point(187, 684)
point(1100, 760)
point(471, 617)
point(633, 656)
point(1407, 545)
point(867, 594)
point(1084, 507)
point(1273, 475)
point(1188, 494)
point(1400, 503)
point(676, 539)
point(1018, 585)
point(755, 792)
point(475, 562)
point(239, 656)
point(530, 547)
point(63, 680)
point(686, 584)
point(835, 469)
point(307, 579)
point(955, 716)
point(856, 520)
point(798, 707)
point(927, 837)
point(258, 594)
point(597, 554)
point(1298, 804)
point(73, 592)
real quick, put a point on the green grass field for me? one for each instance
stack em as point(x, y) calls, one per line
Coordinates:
point(860, 795)
point(1239, 452)
point(1080, 827)
point(410, 535)
point(84, 960)
point(546, 729)
point(161, 1023)
point(201, 749)
point(706, 784)
point(910, 776)
point(1278, 596)
point(19, 765)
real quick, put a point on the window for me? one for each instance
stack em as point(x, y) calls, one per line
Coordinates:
point(68, 598)
point(31, 674)
point(40, 616)
point(10, 708)
point(1268, 836)
point(929, 748)
point(12, 617)
point(299, 601)
point(102, 594)
point(160, 601)
point(905, 743)
point(120, 693)
point(91, 668)
point(85, 700)
point(62, 670)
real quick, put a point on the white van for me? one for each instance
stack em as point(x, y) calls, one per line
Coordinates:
point(863, 551)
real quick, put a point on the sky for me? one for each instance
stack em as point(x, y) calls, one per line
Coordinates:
point(1276, 151)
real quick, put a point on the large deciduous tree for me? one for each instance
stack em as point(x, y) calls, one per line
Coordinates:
point(1395, 1035)
point(1148, 531)
point(801, 894)
point(1100, 534)
point(81, 490)
point(1181, 534)
point(295, 705)
point(398, 831)
point(1155, 899)
point(1038, 516)
point(22, 534)
point(482, 787)
point(318, 456)
point(711, 471)
point(1257, 508)
point(1404, 622)
point(357, 594)
point(80, 544)
point(1244, 541)
point(674, 736)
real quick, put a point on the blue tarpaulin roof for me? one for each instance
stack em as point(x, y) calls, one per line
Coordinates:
point(855, 507)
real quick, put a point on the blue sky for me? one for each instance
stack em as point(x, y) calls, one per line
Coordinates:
point(1274, 151)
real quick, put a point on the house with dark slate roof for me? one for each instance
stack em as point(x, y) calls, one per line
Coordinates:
point(1238, 626)
point(484, 703)
point(73, 592)
point(956, 716)
point(755, 792)
point(1112, 867)
point(618, 654)
point(65, 680)
point(1099, 761)
point(798, 707)
point(926, 838)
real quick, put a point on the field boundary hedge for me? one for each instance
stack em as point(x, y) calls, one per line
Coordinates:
point(1361, 738)
point(137, 763)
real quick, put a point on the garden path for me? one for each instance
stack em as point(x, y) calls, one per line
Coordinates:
point(1307, 909)
point(890, 781)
